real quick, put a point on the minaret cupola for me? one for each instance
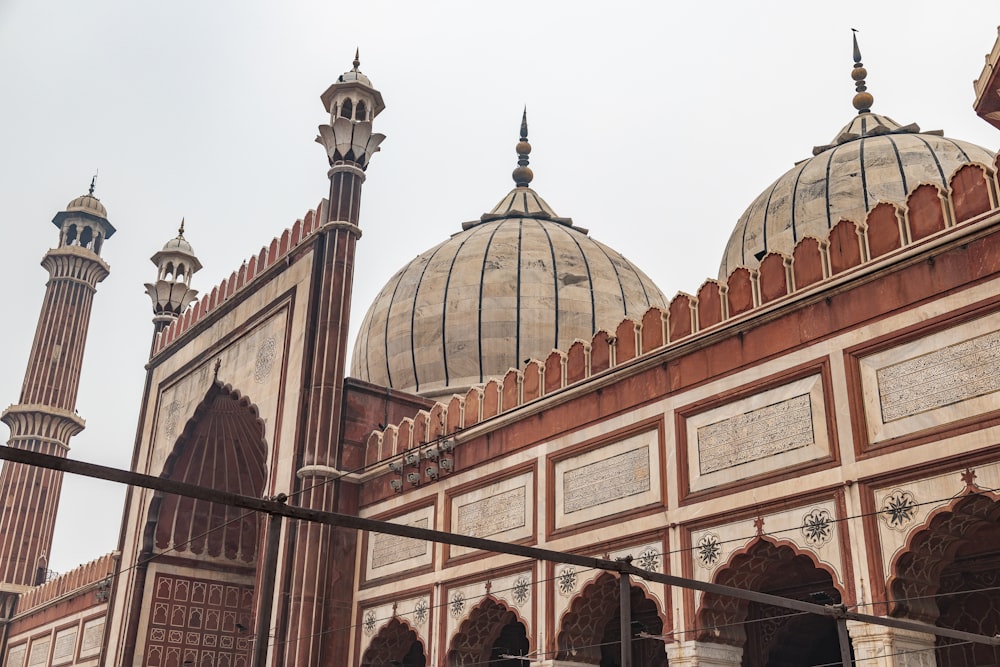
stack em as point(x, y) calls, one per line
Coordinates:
point(84, 222)
point(172, 292)
point(352, 96)
point(352, 103)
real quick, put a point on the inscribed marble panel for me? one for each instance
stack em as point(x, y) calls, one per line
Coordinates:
point(943, 377)
point(65, 644)
point(391, 554)
point(16, 656)
point(500, 511)
point(757, 434)
point(93, 632)
point(610, 479)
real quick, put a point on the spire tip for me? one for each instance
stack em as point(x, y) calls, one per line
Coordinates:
point(522, 174)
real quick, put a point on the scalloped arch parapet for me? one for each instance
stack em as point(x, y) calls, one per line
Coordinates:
point(238, 280)
point(887, 228)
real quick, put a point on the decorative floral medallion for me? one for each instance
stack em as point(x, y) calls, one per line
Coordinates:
point(265, 360)
point(708, 550)
point(520, 590)
point(567, 581)
point(369, 623)
point(420, 611)
point(457, 603)
point(170, 420)
point(817, 527)
point(898, 509)
point(649, 559)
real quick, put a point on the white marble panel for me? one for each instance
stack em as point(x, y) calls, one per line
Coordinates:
point(65, 645)
point(503, 511)
point(16, 656)
point(758, 434)
point(939, 378)
point(39, 653)
point(390, 554)
point(93, 634)
point(611, 479)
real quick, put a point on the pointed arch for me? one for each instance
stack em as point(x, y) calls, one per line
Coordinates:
point(779, 568)
point(948, 535)
point(397, 643)
point(590, 629)
point(222, 447)
point(476, 639)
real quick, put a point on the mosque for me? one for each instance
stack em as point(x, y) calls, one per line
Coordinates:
point(819, 422)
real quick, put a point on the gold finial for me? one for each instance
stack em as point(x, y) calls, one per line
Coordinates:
point(522, 174)
point(180, 230)
point(863, 100)
point(357, 59)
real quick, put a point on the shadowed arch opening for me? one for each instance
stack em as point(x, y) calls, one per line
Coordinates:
point(205, 598)
point(491, 631)
point(590, 631)
point(395, 644)
point(772, 635)
point(949, 576)
point(222, 447)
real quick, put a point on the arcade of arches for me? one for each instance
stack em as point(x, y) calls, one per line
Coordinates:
point(946, 577)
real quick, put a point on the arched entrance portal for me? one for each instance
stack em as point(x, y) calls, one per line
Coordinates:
point(201, 557)
point(491, 632)
point(591, 629)
point(395, 644)
point(771, 635)
point(950, 577)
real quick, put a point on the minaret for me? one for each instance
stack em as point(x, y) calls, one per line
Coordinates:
point(45, 417)
point(172, 293)
point(321, 580)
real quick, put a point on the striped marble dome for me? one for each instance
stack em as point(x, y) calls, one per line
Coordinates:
point(509, 287)
point(872, 159)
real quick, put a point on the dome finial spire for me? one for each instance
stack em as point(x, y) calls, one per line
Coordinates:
point(522, 174)
point(180, 230)
point(357, 58)
point(863, 100)
point(93, 183)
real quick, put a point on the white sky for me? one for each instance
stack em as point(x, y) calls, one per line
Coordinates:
point(652, 124)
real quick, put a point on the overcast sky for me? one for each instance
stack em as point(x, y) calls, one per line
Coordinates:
point(652, 124)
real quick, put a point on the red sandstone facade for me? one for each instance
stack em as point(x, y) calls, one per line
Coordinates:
point(825, 423)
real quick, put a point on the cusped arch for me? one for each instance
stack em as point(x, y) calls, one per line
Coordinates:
point(221, 447)
point(396, 643)
point(721, 618)
point(915, 574)
point(473, 642)
point(583, 625)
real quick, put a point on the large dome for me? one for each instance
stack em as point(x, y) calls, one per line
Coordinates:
point(873, 159)
point(511, 286)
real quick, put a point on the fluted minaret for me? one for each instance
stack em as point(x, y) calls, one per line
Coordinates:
point(319, 598)
point(172, 293)
point(45, 417)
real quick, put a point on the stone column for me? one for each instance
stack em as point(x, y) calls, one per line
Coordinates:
point(879, 646)
point(704, 654)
